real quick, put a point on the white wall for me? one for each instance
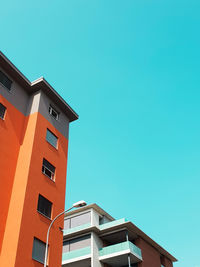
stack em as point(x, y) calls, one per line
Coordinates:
point(96, 243)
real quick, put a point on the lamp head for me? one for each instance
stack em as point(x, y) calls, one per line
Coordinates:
point(79, 204)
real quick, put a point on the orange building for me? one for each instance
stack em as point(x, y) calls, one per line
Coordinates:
point(34, 124)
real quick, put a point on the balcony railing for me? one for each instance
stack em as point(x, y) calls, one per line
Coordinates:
point(119, 248)
point(111, 224)
point(76, 254)
point(76, 229)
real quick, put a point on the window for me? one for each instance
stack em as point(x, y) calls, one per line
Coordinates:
point(103, 220)
point(2, 111)
point(78, 220)
point(5, 80)
point(53, 112)
point(77, 243)
point(44, 206)
point(38, 252)
point(48, 169)
point(51, 138)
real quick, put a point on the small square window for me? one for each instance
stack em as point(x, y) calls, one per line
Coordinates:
point(38, 252)
point(51, 138)
point(48, 169)
point(5, 80)
point(44, 206)
point(2, 111)
point(53, 112)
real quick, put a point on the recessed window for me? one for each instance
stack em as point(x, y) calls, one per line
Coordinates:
point(51, 138)
point(44, 206)
point(77, 243)
point(38, 252)
point(2, 111)
point(78, 220)
point(53, 112)
point(48, 169)
point(5, 80)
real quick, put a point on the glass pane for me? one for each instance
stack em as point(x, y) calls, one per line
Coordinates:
point(66, 224)
point(51, 138)
point(44, 206)
point(53, 112)
point(2, 111)
point(80, 220)
point(48, 165)
point(65, 246)
point(81, 242)
point(38, 252)
point(5, 80)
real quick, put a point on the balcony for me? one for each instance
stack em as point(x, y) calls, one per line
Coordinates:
point(112, 224)
point(80, 256)
point(76, 229)
point(100, 227)
point(117, 255)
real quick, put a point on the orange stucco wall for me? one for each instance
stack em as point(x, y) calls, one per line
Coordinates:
point(23, 222)
point(11, 130)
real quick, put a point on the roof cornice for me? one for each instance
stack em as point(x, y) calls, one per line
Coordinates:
point(39, 84)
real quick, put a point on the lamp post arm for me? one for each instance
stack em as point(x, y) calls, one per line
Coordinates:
point(47, 240)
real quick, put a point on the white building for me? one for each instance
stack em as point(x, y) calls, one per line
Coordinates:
point(94, 238)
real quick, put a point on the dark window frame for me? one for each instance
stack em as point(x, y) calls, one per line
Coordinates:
point(48, 169)
point(5, 81)
point(54, 113)
point(2, 111)
point(44, 206)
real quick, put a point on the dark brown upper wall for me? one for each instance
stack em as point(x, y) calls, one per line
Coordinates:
point(166, 262)
point(150, 256)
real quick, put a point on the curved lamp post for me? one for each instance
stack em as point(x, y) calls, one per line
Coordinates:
point(75, 205)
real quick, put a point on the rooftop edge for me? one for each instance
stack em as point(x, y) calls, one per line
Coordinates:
point(38, 84)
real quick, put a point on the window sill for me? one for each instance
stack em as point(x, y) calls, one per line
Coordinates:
point(39, 261)
point(53, 180)
point(56, 148)
point(44, 215)
point(54, 117)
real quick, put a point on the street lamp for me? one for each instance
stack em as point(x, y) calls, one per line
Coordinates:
point(78, 204)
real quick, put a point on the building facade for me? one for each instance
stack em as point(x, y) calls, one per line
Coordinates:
point(92, 238)
point(34, 126)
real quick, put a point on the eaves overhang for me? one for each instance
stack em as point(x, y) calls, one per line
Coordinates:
point(42, 84)
point(39, 84)
point(133, 230)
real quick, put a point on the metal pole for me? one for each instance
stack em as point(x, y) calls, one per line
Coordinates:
point(129, 260)
point(127, 236)
point(47, 241)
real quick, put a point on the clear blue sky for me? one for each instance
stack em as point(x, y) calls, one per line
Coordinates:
point(130, 69)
